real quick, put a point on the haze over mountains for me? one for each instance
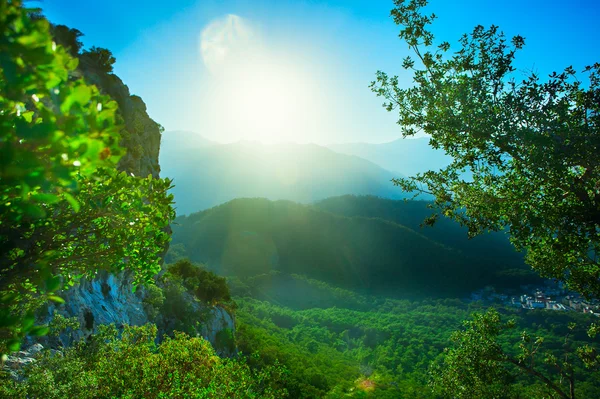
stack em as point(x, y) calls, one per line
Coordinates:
point(207, 173)
point(406, 156)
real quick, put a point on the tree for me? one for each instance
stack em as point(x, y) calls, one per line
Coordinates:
point(102, 58)
point(68, 38)
point(130, 364)
point(65, 211)
point(205, 285)
point(477, 365)
point(530, 146)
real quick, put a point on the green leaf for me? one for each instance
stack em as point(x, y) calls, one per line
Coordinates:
point(34, 211)
point(28, 116)
point(56, 299)
point(80, 94)
point(45, 198)
point(34, 38)
point(14, 345)
point(72, 63)
point(74, 204)
point(8, 320)
point(39, 331)
point(7, 298)
point(28, 323)
point(53, 283)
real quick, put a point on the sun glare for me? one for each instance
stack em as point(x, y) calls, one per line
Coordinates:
point(255, 94)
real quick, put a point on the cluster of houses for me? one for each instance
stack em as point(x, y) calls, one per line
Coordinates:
point(551, 296)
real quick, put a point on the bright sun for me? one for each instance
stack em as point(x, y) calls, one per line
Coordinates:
point(255, 95)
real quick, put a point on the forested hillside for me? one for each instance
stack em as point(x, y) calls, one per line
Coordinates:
point(247, 237)
point(491, 249)
point(337, 343)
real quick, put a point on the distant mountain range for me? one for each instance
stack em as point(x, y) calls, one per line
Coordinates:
point(173, 142)
point(405, 156)
point(206, 173)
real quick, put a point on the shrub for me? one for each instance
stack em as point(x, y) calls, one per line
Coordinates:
point(205, 285)
point(133, 366)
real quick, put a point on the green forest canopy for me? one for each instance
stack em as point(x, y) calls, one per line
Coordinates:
point(247, 237)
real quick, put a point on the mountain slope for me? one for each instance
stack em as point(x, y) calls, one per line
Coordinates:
point(493, 248)
point(175, 141)
point(213, 174)
point(249, 237)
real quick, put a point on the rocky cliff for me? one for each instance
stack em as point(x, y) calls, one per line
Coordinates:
point(109, 299)
point(141, 135)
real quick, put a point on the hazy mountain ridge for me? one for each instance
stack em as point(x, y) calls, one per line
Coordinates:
point(404, 156)
point(206, 174)
point(177, 140)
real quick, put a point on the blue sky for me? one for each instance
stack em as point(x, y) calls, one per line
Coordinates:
point(333, 48)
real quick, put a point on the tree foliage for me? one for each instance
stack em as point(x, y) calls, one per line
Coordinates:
point(65, 211)
point(477, 365)
point(132, 365)
point(68, 38)
point(332, 340)
point(102, 58)
point(530, 145)
point(205, 285)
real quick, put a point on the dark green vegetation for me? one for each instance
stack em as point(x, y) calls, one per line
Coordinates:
point(296, 172)
point(247, 237)
point(178, 301)
point(493, 249)
point(131, 365)
point(480, 364)
point(530, 145)
point(206, 285)
point(349, 345)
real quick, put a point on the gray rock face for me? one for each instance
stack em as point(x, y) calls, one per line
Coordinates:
point(15, 362)
point(104, 300)
point(220, 321)
point(109, 299)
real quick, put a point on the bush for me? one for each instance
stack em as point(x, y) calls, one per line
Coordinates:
point(225, 340)
point(133, 366)
point(205, 285)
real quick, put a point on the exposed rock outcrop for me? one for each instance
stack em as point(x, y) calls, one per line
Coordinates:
point(109, 299)
point(15, 362)
point(142, 135)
